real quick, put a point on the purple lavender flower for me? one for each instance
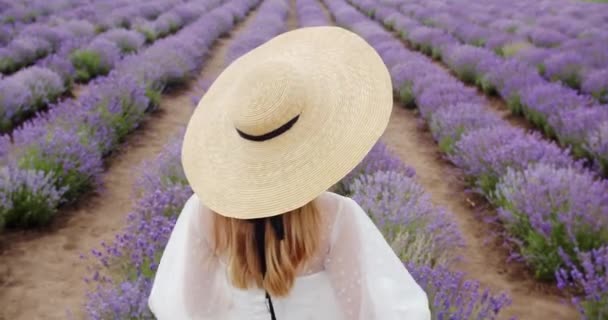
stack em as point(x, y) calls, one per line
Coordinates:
point(135, 251)
point(29, 197)
point(125, 300)
point(562, 24)
point(127, 40)
point(43, 84)
point(472, 34)
point(488, 153)
point(6, 33)
point(572, 126)
point(60, 65)
point(498, 41)
point(59, 152)
point(565, 67)
point(21, 52)
point(271, 21)
point(430, 41)
point(380, 158)
point(404, 212)
point(453, 297)
point(97, 59)
point(467, 62)
point(590, 278)
point(80, 28)
point(509, 78)
point(538, 102)
point(597, 145)
point(310, 14)
point(442, 94)
point(550, 209)
point(164, 64)
point(190, 11)
point(55, 35)
point(117, 104)
point(403, 75)
point(13, 95)
point(525, 52)
point(596, 84)
point(546, 37)
point(167, 23)
point(25, 92)
point(450, 122)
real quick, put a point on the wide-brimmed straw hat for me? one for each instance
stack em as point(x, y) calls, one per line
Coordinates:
point(286, 121)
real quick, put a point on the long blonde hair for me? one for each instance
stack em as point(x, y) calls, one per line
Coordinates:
point(235, 239)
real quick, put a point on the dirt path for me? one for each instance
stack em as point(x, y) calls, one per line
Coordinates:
point(292, 17)
point(40, 271)
point(484, 259)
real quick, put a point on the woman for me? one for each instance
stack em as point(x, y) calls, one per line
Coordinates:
point(261, 238)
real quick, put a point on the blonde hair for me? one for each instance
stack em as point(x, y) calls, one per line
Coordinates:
point(235, 239)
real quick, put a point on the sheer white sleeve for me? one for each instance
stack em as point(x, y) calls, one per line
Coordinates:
point(189, 282)
point(369, 280)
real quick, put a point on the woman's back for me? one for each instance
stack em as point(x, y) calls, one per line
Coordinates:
point(353, 275)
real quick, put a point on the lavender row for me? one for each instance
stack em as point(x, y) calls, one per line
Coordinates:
point(524, 19)
point(580, 62)
point(40, 39)
point(57, 156)
point(575, 120)
point(14, 12)
point(551, 208)
point(103, 14)
point(31, 89)
point(271, 20)
point(310, 13)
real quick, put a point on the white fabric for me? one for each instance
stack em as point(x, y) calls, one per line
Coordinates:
point(355, 276)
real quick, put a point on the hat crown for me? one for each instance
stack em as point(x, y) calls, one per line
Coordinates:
point(270, 95)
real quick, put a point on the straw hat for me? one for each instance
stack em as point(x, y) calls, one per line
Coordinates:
point(286, 121)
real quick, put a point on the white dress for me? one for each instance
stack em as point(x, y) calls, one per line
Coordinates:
point(355, 276)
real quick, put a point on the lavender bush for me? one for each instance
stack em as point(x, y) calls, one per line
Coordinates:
point(127, 40)
point(310, 14)
point(596, 84)
point(468, 62)
point(97, 59)
point(270, 21)
point(26, 92)
point(453, 297)
point(590, 279)
point(29, 197)
point(573, 127)
point(597, 145)
point(565, 67)
point(489, 153)
point(74, 165)
point(22, 52)
point(418, 231)
point(538, 102)
point(380, 158)
point(451, 122)
point(548, 209)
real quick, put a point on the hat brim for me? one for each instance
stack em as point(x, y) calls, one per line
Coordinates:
point(351, 96)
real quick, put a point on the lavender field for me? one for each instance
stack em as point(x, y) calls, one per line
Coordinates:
point(490, 182)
